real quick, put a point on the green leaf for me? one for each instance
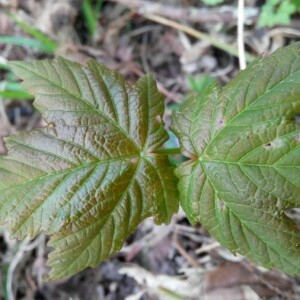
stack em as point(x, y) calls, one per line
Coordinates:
point(277, 12)
point(212, 2)
point(91, 14)
point(199, 83)
point(91, 175)
point(244, 148)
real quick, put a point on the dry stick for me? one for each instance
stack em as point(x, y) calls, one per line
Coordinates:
point(141, 7)
point(240, 38)
point(285, 31)
point(193, 262)
point(199, 35)
point(3, 114)
point(224, 14)
point(12, 266)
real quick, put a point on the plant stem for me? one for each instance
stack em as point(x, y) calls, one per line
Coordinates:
point(240, 29)
point(168, 151)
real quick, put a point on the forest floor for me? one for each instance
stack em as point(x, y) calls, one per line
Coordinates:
point(183, 43)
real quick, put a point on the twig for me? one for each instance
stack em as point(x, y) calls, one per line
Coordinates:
point(150, 239)
point(17, 258)
point(40, 258)
point(207, 248)
point(285, 31)
point(223, 14)
point(3, 114)
point(199, 35)
point(183, 252)
point(240, 29)
point(156, 11)
point(256, 273)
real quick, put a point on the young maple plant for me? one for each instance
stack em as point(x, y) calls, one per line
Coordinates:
point(97, 169)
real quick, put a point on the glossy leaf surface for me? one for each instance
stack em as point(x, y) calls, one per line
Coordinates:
point(91, 175)
point(243, 142)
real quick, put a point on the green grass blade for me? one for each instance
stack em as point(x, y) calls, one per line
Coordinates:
point(16, 95)
point(91, 14)
point(14, 90)
point(24, 42)
point(47, 42)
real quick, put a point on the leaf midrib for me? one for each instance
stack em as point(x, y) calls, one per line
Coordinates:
point(243, 222)
point(103, 222)
point(93, 108)
point(247, 108)
point(70, 170)
point(202, 160)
